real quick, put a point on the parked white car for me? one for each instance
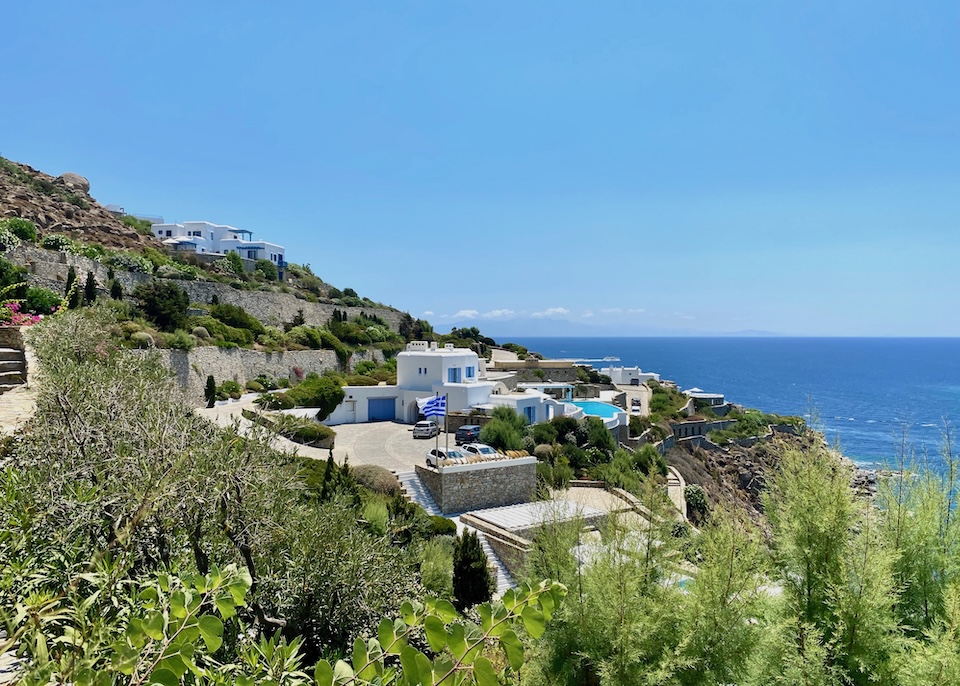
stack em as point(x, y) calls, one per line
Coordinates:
point(425, 429)
point(480, 449)
point(452, 455)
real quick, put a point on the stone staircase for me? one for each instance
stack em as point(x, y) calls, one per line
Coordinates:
point(13, 369)
point(414, 490)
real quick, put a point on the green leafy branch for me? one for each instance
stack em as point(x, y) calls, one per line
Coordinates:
point(457, 644)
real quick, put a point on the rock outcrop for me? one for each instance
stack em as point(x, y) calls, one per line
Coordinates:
point(736, 476)
point(62, 205)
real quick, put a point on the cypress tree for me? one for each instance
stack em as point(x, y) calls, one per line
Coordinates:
point(215, 300)
point(472, 583)
point(210, 392)
point(116, 290)
point(72, 291)
point(327, 478)
point(71, 279)
point(90, 289)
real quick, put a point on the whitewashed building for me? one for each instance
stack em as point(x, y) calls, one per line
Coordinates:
point(219, 239)
point(629, 376)
point(424, 369)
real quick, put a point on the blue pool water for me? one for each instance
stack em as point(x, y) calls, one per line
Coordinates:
point(597, 409)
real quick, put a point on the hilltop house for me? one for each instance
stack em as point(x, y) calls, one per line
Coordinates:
point(425, 369)
point(219, 239)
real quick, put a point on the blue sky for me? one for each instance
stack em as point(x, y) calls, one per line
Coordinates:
point(559, 167)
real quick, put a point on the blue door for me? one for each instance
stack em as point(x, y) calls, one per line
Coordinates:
point(381, 409)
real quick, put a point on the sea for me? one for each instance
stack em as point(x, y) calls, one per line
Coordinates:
point(874, 398)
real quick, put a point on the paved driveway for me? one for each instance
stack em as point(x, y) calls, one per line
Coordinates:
point(385, 444)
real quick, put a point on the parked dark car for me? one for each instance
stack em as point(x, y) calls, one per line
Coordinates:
point(468, 433)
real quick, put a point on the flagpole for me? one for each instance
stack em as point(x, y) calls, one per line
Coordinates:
point(446, 425)
point(437, 443)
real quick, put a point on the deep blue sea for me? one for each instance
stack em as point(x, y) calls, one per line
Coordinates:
point(866, 394)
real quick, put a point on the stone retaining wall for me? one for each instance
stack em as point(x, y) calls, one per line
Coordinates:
point(494, 486)
point(242, 365)
point(10, 337)
point(48, 269)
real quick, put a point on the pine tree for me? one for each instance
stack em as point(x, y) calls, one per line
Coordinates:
point(210, 392)
point(472, 583)
point(90, 289)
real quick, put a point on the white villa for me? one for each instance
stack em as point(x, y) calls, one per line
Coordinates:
point(424, 370)
point(219, 239)
point(704, 398)
point(629, 376)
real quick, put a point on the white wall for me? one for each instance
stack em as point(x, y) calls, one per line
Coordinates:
point(353, 409)
point(423, 370)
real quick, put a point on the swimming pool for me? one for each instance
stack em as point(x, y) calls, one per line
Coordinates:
point(598, 409)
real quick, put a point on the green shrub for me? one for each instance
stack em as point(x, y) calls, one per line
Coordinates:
point(268, 269)
point(544, 452)
point(219, 330)
point(562, 473)
point(129, 261)
point(55, 241)
point(359, 380)
point(697, 506)
point(41, 300)
point(200, 332)
point(141, 226)
point(8, 240)
point(305, 431)
point(254, 387)
point(436, 570)
point(237, 317)
point(265, 381)
point(180, 340)
point(163, 303)
point(376, 515)
point(543, 433)
point(141, 339)
point(502, 435)
point(441, 526)
point(229, 387)
point(21, 228)
point(272, 337)
point(276, 401)
point(156, 258)
point(365, 367)
point(320, 392)
point(306, 336)
point(377, 479)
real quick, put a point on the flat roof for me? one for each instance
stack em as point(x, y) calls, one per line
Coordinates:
point(528, 515)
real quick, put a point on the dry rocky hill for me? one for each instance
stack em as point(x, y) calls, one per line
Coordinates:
point(62, 204)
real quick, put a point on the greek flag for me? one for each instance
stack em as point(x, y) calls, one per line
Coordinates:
point(433, 407)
